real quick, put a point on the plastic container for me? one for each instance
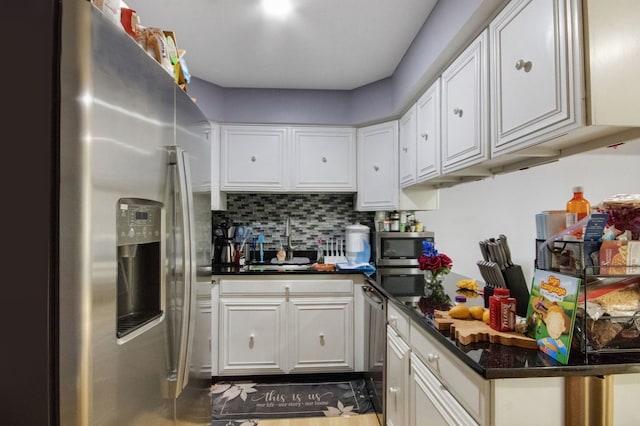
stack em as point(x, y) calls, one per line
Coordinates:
point(357, 241)
point(395, 221)
point(502, 310)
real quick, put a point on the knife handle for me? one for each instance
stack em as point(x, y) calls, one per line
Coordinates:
point(505, 247)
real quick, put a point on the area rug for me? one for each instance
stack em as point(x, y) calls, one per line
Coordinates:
point(243, 403)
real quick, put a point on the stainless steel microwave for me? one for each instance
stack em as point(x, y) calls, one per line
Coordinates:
point(399, 249)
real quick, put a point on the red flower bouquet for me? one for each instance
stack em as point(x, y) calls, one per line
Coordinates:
point(436, 266)
point(431, 260)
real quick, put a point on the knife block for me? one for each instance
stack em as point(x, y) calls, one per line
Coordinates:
point(514, 278)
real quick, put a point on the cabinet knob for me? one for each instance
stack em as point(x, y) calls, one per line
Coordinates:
point(457, 111)
point(253, 158)
point(425, 136)
point(321, 339)
point(521, 64)
point(251, 341)
point(433, 357)
point(376, 168)
point(405, 149)
point(324, 159)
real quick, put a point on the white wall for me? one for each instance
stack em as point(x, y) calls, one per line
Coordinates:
point(507, 204)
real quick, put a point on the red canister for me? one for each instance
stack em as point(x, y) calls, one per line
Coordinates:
point(502, 310)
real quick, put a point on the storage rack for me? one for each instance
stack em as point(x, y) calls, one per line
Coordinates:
point(605, 333)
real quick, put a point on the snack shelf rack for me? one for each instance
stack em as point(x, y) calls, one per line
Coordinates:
point(608, 306)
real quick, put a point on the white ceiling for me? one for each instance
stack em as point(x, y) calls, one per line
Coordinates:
point(323, 44)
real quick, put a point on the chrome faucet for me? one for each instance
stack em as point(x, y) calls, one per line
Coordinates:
point(287, 233)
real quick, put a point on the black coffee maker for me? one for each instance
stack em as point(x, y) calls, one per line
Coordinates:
point(223, 245)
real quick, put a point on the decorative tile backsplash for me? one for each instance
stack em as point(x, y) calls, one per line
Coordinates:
point(313, 216)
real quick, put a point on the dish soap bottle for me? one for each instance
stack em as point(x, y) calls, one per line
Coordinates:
point(281, 254)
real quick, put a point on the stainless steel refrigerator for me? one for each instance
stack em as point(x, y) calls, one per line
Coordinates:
point(129, 237)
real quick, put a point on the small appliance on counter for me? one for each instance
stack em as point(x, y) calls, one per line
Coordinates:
point(358, 249)
point(223, 244)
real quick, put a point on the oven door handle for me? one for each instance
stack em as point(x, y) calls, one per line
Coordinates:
point(373, 297)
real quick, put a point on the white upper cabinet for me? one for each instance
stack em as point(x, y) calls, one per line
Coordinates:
point(465, 107)
point(378, 187)
point(532, 72)
point(407, 142)
point(287, 159)
point(253, 158)
point(324, 159)
point(428, 133)
point(420, 139)
point(563, 76)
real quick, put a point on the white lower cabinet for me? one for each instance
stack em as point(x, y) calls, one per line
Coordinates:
point(431, 402)
point(252, 335)
point(320, 336)
point(201, 353)
point(397, 392)
point(284, 326)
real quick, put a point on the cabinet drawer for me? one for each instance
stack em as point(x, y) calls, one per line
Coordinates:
point(471, 390)
point(398, 320)
point(284, 287)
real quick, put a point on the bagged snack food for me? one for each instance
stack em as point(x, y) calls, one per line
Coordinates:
point(624, 213)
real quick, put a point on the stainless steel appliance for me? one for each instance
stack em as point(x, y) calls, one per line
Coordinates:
point(398, 274)
point(405, 284)
point(376, 344)
point(401, 249)
point(129, 215)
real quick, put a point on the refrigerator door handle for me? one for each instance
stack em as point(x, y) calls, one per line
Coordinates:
point(182, 281)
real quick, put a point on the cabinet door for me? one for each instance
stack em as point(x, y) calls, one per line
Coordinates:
point(531, 72)
point(428, 134)
point(321, 334)
point(397, 392)
point(251, 336)
point(378, 187)
point(407, 153)
point(465, 106)
point(203, 339)
point(431, 400)
point(218, 199)
point(253, 158)
point(324, 159)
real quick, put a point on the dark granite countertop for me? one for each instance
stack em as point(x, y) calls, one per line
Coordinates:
point(491, 361)
point(494, 361)
point(242, 270)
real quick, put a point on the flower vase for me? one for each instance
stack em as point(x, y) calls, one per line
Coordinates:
point(434, 295)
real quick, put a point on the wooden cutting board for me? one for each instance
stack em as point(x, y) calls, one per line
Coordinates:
point(470, 331)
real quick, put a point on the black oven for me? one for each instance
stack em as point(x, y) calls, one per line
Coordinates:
point(399, 249)
point(404, 284)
